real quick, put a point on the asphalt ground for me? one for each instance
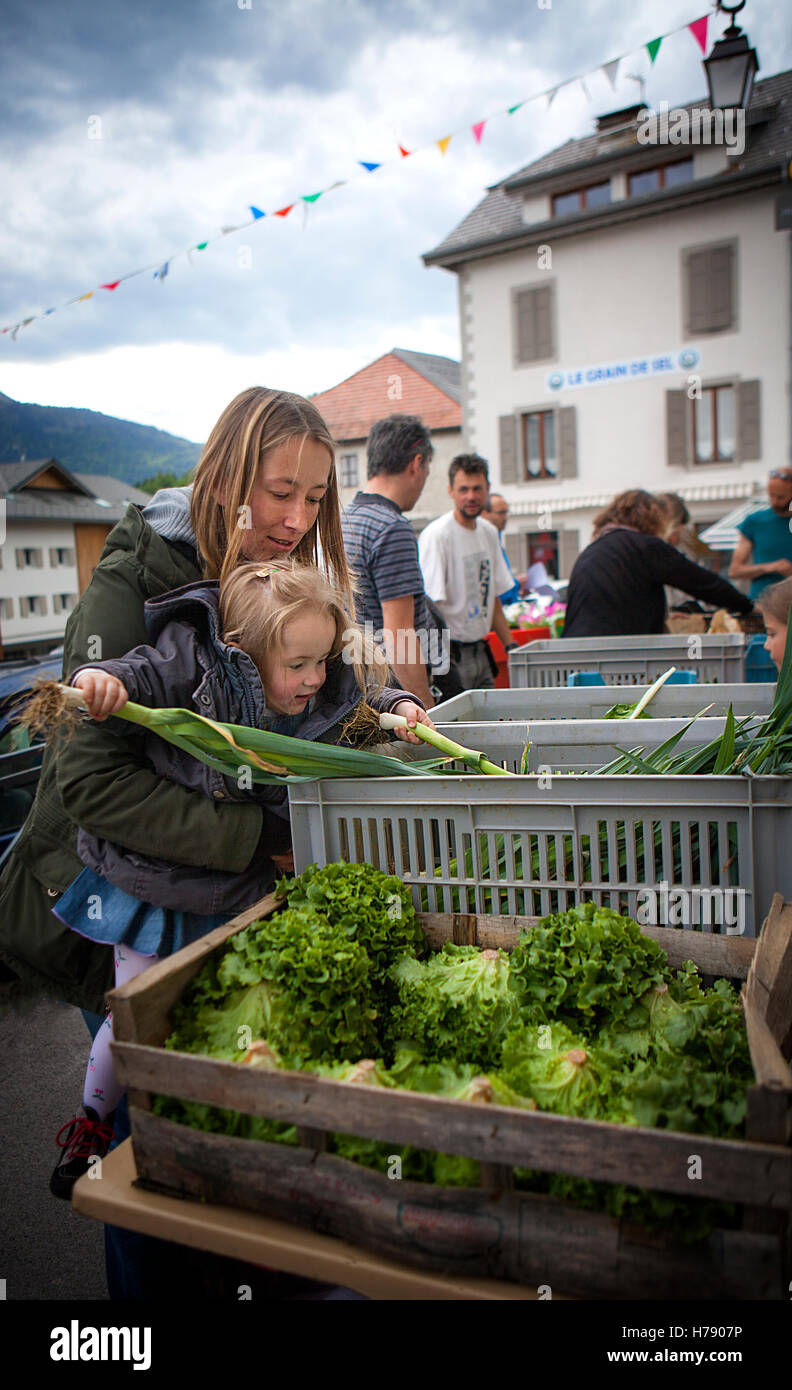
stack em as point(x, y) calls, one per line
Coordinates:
point(47, 1250)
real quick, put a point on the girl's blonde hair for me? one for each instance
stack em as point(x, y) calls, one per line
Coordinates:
point(257, 421)
point(776, 600)
point(258, 601)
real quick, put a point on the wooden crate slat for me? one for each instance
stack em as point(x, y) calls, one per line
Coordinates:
point(771, 973)
point(525, 1237)
point(731, 1170)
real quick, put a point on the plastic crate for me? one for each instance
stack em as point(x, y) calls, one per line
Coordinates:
point(676, 702)
point(531, 845)
point(628, 660)
point(574, 745)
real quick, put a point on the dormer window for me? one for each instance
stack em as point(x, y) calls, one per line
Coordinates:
point(593, 196)
point(664, 176)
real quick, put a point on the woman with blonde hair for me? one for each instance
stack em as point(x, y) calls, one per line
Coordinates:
point(617, 583)
point(265, 487)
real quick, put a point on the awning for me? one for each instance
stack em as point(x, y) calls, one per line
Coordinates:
point(723, 534)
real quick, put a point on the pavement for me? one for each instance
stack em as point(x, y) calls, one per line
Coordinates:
point(47, 1251)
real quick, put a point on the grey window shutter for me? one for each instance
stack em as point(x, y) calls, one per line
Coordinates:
point(568, 551)
point(514, 546)
point(43, 602)
point(697, 287)
point(677, 421)
point(507, 427)
point(544, 321)
point(524, 308)
point(20, 558)
point(567, 442)
point(53, 556)
point(721, 287)
point(38, 558)
point(749, 439)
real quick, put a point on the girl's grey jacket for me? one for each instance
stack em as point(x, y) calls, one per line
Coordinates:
point(188, 665)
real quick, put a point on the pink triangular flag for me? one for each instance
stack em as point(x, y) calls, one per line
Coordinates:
point(478, 131)
point(699, 31)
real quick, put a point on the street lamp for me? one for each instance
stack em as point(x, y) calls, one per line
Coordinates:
point(731, 65)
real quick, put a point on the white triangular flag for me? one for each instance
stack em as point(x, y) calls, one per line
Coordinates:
point(611, 70)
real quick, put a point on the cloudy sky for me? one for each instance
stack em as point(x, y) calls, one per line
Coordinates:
point(204, 107)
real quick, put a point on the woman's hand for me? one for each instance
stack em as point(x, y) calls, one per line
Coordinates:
point(284, 862)
point(104, 694)
point(414, 715)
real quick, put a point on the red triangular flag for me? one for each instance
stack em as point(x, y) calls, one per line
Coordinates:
point(404, 153)
point(284, 212)
point(699, 31)
point(478, 131)
point(112, 286)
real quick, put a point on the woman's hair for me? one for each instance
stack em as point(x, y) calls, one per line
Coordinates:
point(637, 509)
point(776, 600)
point(257, 421)
point(678, 514)
point(258, 601)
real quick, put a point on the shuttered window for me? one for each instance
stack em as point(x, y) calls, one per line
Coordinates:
point(710, 289)
point(723, 425)
point(536, 445)
point(534, 324)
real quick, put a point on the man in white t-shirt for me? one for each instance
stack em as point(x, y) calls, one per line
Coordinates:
point(464, 571)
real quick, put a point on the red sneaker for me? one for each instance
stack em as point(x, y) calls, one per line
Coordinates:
point(83, 1138)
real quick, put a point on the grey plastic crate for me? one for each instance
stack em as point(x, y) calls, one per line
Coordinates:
point(516, 845)
point(574, 745)
point(628, 660)
point(592, 701)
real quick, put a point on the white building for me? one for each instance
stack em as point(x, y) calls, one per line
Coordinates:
point(625, 322)
point(53, 526)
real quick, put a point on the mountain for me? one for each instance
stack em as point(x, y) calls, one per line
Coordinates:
point(86, 441)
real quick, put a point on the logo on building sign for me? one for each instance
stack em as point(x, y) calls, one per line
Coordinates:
point(628, 369)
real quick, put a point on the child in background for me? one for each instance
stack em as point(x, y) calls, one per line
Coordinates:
point(271, 647)
point(775, 603)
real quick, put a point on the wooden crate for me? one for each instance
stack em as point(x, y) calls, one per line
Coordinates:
point(490, 1230)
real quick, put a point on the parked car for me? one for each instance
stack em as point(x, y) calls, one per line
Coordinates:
point(20, 761)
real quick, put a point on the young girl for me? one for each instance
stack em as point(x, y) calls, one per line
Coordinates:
point(775, 603)
point(269, 647)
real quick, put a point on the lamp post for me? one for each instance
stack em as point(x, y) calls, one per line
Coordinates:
point(731, 65)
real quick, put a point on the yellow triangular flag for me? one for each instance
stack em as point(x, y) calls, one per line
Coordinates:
point(443, 144)
point(89, 295)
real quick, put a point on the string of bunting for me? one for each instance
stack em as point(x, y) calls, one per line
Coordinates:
point(161, 268)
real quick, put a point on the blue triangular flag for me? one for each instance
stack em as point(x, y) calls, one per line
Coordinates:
point(368, 165)
point(257, 211)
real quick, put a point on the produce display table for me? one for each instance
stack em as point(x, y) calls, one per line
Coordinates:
point(259, 1240)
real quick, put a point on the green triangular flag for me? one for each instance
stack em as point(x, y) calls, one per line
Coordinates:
point(512, 109)
point(311, 197)
point(653, 48)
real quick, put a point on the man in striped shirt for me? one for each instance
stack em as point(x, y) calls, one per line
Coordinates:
point(382, 549)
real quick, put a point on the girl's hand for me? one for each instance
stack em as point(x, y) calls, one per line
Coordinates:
point(104, 694)
point(414, 715)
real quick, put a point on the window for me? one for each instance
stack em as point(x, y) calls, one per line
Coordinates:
point(61, 555)
point(533, 311)
point(539, 445)
point(713, 425)
point(709, 288)
point(33, 605)
point(664, 176)
point(349, 470)
point(29, 557)
point(63, 603)
point(595, 196)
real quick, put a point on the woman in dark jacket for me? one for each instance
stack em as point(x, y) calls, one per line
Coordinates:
point(616, 588)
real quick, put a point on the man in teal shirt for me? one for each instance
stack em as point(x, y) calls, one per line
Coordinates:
point(764, 554)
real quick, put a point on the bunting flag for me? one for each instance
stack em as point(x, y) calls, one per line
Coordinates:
point(699, 31)
point(611, 71)
point(160, 269)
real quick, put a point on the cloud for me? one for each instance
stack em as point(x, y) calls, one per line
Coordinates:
point(206, 107)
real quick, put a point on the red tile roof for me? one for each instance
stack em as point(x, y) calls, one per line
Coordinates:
point(352, 407)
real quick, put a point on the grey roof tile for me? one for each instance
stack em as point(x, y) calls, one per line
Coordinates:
point(499, 213)
point(443, 372)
